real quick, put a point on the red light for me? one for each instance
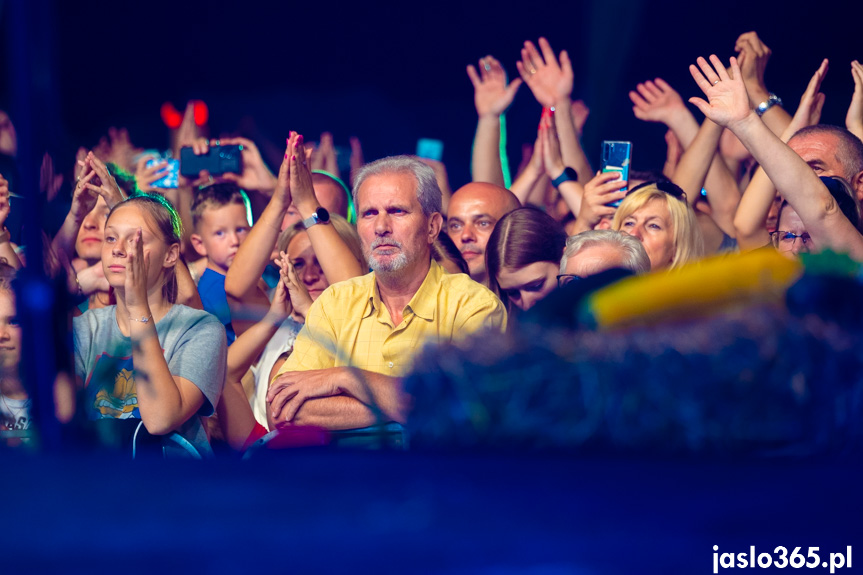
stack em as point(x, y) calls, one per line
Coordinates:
point(170, 116)
point(202, 114)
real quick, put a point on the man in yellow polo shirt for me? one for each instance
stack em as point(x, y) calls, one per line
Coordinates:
point(361, 335)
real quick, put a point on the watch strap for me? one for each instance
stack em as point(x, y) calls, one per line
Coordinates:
point(568, 175)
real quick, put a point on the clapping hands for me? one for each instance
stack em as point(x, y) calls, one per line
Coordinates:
point(299, 295)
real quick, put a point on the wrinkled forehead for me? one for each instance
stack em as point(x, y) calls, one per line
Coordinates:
point(819, 151)
point(789, 220)
point(387, 189)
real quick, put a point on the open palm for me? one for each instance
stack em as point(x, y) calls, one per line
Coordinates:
point(727, 100)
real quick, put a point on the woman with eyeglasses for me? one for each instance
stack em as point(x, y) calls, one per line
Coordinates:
point(523, 257)
point(657, 214)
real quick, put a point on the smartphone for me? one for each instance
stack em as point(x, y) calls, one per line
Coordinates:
point(172, 178)
point(217, 161)
point(430, 149)
point(616, 157)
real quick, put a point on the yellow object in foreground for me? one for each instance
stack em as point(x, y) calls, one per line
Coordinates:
point(696, 290)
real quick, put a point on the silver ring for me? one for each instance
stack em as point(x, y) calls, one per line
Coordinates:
point(218, 142)
point(533, 71)
point(716, 82)
point(486, 66)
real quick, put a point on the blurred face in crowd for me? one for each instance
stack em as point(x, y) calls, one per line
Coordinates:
point(526, 286)
point(305, 262)
point(10, 332)
point(595, 259)
point(88, 244)
point(396, 236)
point(651, 225)
point(791, 238)
point(329, 194)
point(473, 211)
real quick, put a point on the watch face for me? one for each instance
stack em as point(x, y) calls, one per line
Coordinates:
point(323, 215)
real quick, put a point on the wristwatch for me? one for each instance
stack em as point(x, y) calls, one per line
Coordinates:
point(321, 216)
point(772, 100)
point(568, 175)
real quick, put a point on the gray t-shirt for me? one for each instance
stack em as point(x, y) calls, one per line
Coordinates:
point(195, 348)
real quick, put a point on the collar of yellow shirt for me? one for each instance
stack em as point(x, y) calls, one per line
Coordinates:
point(423, 302)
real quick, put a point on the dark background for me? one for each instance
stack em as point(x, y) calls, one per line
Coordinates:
point(390, 73)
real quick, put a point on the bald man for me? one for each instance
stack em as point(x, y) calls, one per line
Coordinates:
point(473, 211)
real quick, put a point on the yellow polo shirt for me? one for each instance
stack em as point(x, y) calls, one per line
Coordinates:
point(349, 325)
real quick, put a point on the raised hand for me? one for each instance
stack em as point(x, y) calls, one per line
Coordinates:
point(809, 111)
point(282, 193)
point(357, 160)
point(656, 101)
point(728, 102)
point(491, 93)
point(297, 292)
point(104, 184)
point(4, 202)
point(256, 175)
point(302, 190)
point(49, 183)
point(280, 307)
point(552, 161)
point(752, 57)
point(673, 153)
point(602, 190)
point(137, 268)
point(83, 198)
point(145, 176)
point(580, 112)
point(550, 80)
point(854, 118)
point(327, 152)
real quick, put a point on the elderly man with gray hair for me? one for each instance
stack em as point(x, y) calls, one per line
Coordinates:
point(595, 251)
point(361, 335)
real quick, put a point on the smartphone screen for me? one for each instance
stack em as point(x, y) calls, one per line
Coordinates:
point(616, 157)
point(430, 149)
point(171, 179)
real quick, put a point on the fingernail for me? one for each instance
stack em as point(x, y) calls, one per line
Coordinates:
point(293, 158)
point(300, 139)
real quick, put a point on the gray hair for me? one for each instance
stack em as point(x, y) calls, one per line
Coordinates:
point(634, 256)
point(428, 191)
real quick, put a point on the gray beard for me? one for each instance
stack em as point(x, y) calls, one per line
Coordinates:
point(396, 263)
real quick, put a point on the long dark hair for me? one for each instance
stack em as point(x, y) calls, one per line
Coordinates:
point(522, 237)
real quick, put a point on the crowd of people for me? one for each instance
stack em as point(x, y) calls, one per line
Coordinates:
point(231, 307)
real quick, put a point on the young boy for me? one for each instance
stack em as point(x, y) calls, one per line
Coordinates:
point(14, 402)
point(221, 222)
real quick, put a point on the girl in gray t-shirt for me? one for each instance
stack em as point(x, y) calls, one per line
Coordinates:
point(149, 368)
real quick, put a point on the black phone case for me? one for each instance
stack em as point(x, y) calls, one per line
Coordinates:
point(218, 160)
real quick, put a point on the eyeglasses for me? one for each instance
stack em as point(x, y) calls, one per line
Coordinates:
point(785, 240)
point(666, 186)
point(564, 279)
